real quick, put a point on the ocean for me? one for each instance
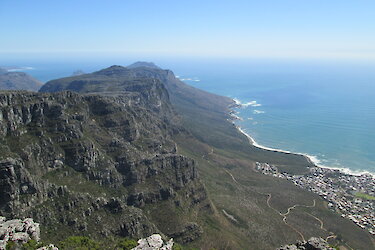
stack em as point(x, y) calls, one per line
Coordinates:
point(322, 109)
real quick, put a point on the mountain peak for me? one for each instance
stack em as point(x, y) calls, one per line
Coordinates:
point(112, 70)
point(143, 64)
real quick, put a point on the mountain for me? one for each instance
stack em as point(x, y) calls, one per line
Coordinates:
point(135, 151)
point(18, 81)
point(143, 64)
point(104, 165)
point(78, 72)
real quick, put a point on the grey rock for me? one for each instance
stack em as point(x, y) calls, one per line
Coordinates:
point(154, 242)
point(313, 243)
point(17, 230)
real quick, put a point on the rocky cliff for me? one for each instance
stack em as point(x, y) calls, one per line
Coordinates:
point(92, 164)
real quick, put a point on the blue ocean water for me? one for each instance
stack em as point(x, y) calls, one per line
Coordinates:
point(323, 109)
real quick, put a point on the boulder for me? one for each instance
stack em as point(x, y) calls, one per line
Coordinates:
point(154, 242)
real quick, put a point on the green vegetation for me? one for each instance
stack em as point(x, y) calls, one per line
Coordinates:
point(127, 244)
point(365, 196)
point(31, 245)
point(79, 243)
point(11, 245)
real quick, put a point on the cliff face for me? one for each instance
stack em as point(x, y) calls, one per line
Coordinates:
point(93, 163)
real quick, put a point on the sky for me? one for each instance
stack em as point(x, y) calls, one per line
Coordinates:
point(232, 28)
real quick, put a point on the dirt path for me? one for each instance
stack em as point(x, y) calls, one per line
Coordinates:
point(274, 209)
point(297, 205)
point(332, 235)
point(234, 179)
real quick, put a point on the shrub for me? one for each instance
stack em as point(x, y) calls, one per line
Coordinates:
point(127, 244)
point(79, 243)
point(11, 245)
point(31, 245)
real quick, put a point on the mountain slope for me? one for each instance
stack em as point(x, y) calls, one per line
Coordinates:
point(247, 206)
point(18, 81)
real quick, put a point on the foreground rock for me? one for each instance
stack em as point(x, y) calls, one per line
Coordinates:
point(49, 247)
point(312, 244)
point(19, 231)
point(154, 242)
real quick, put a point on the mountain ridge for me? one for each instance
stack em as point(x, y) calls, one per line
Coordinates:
point(18, 81)
point(141, 142)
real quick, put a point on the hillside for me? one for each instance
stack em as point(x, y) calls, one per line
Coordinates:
point(18, 81)
point(136, 150)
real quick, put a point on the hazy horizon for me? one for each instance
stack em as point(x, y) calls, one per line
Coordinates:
point(291, 29)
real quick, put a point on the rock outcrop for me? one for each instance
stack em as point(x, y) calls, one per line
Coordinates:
point(154, 242)
point(18, 231)
point(312, 244)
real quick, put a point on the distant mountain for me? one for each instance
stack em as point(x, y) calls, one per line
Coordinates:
point(78, 72)
point(18, 81)
point(143, 64)
point(3, 71)
point(102, 80)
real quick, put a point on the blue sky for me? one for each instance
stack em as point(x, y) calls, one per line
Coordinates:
point(236, 28)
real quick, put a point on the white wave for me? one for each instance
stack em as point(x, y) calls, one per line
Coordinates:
point(237, 102)
point(250, 118)
point(252, 104)
point(247, 104)
point(258, 112)
point(190, 79)
point(19, 69)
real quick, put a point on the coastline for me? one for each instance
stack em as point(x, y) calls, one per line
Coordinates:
point(310, 158)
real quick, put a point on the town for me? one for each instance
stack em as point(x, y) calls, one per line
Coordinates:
point(350, 195)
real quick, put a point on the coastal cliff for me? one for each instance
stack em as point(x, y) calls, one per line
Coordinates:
point(133, 151)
